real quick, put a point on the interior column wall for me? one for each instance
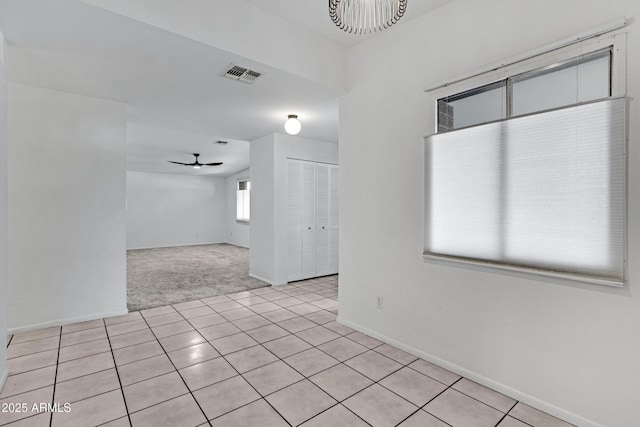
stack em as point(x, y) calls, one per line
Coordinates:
point(67, 223)
point(261, 238)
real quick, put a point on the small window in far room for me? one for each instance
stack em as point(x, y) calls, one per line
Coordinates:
point(243, 200)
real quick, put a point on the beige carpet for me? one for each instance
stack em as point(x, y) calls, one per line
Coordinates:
point(162, 276)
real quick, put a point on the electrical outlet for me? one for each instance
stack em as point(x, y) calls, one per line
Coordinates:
point(380, 302)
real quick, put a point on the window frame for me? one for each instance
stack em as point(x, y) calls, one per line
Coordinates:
point(539, 64)
point(508, 83)
point(238, 181)
point(616, 41)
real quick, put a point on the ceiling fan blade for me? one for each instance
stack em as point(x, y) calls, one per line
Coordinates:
point(213, 164)
point(178, 163)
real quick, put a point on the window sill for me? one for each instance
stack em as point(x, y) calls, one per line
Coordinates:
point(462, 262)
point(239, 221)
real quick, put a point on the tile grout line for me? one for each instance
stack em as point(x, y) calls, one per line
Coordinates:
point(421, 408)
point(480, 401)
point(55, 378)
point(331, 407)
point(239, 374)
point(308, 378)
point(296, 315)
point(51, 349)
point(60, 334)
point(115, 366)
point(404, 365)
point(32, 340)
point(177, 371)
point(516, 418)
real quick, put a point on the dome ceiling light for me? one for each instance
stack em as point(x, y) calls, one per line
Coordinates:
point(292, 126)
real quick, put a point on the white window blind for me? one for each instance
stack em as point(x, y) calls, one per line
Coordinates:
point(243, 201)
point(544, 191)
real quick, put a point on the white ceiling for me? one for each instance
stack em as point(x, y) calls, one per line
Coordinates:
point(178, 102)
point(314, 16)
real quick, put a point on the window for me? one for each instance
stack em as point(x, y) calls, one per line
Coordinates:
point(243, 200)
point(528, 172)
point(581, 79)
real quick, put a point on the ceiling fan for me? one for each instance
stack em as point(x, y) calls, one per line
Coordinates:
point(196, 164)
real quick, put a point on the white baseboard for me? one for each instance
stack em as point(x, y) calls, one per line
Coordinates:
point(480, 379)
point(237, 244)
point(271, 282)
point(66, 321)
point(176, 246)
point(3, 377)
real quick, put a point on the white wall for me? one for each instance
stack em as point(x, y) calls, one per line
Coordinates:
point(3, 215)
point(568, 348)
point(237, 232)
point(174, 210)
point(67, 224)
point(269, 198)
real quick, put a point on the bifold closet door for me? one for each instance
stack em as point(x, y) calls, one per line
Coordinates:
point(312, 219)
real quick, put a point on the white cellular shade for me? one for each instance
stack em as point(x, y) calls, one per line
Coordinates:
point(544, 191)
point(463, 193)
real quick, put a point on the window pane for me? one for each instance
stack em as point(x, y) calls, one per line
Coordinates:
point(481, 105)
point(585, 81)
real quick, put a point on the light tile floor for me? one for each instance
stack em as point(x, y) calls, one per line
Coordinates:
point(273, 356)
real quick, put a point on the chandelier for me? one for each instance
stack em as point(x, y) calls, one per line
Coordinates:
point(366, 16)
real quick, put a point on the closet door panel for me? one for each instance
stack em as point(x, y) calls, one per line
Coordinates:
point(334, 220)
point(294, 220)
point(323, 244)
point(308, 220)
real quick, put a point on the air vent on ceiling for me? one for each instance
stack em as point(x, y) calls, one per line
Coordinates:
point(222, 142)
point(241, 74)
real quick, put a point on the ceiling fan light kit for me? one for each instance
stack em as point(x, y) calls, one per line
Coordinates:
point(196, 164)
point(366, 16)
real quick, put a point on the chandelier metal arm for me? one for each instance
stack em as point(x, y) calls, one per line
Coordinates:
point(366, 16)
